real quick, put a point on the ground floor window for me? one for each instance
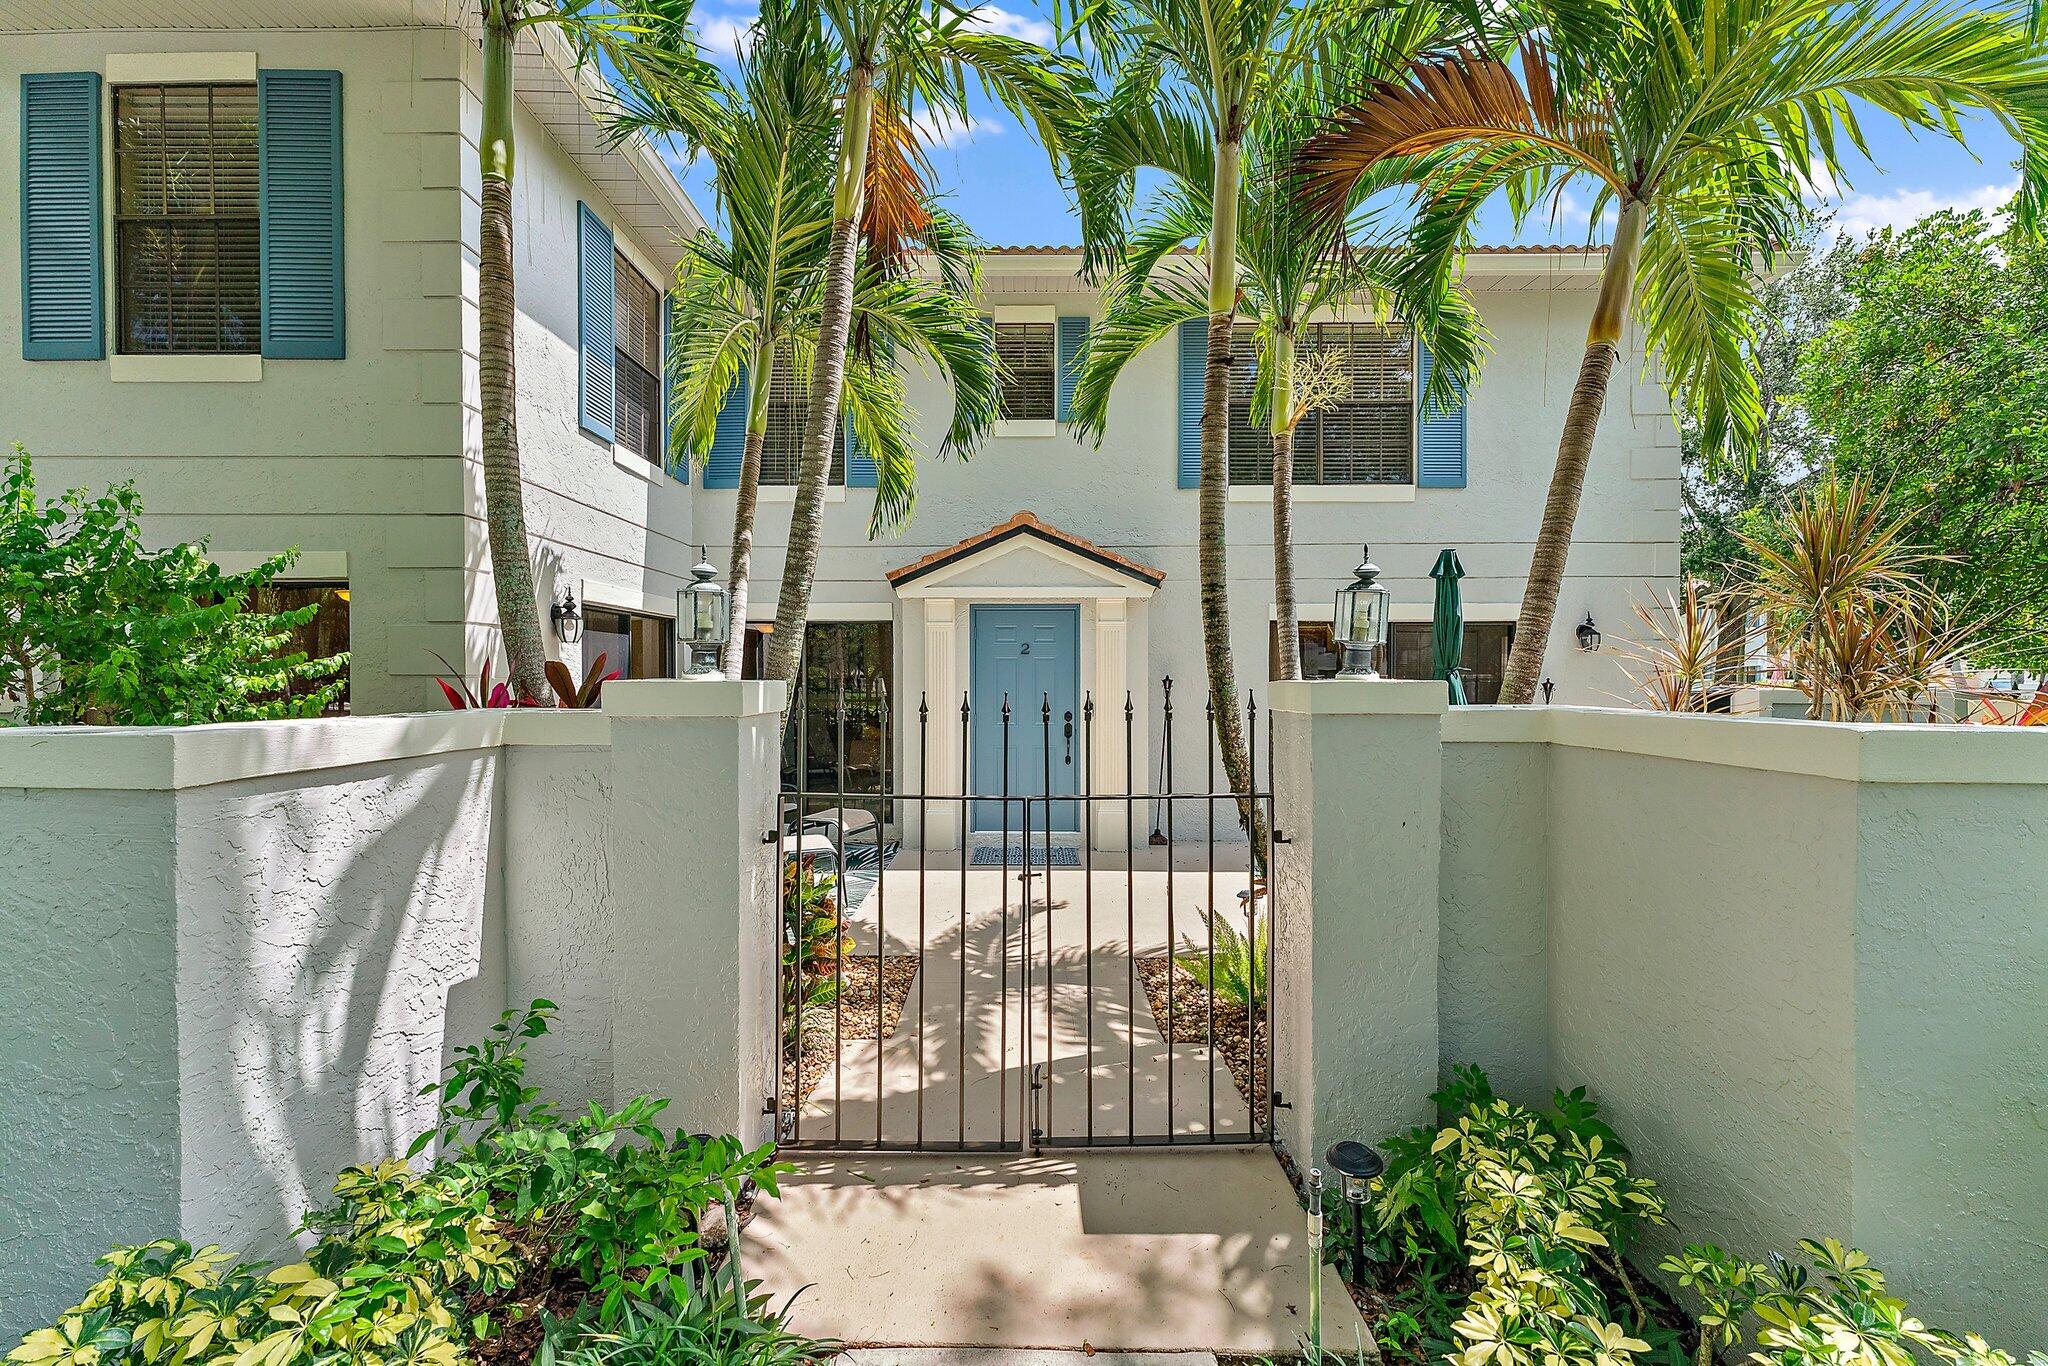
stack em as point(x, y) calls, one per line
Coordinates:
point(635, 644)
point(1407, 654)
point(847, 667)
point(325, 636)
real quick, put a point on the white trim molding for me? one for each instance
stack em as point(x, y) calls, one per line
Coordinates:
point(151, 68)
point(311, 564)
point(1327, 493)
point(235, 369)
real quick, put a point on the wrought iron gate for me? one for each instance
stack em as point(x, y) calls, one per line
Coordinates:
point(1023, 986)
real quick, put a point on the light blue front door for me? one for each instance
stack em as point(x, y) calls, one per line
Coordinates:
point(1032, 655)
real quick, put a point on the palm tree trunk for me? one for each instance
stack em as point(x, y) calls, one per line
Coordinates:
point(1286, 624)
point(1574, 450)
point(504, 497)
point(743, 547)
point(828, 375)
point(1215, 495)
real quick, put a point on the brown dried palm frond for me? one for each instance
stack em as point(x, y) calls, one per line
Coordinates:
point(1685, 661)
point(1465, 97)
point(896, 213)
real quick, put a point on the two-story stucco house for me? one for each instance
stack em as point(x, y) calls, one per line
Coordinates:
point(246, 279)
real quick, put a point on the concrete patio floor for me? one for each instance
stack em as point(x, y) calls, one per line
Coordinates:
point(1134, 1251)
point(1111, 1071)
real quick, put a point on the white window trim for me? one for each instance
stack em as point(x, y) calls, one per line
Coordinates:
point(201, 368)
point(634, 465)
point(1327, 493)
point(312, 565)
point(1476, 613)
point(786, 493)
point(154, 68)
point(1031, 429)
point(610, 597)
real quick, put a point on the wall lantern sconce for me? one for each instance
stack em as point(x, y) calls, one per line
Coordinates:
point(1358, 1165)
point(1360, 621)
point(703, 621)
point(1589, 635)
point(568, 621)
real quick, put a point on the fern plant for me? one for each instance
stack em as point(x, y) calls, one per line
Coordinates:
point(1235, 971)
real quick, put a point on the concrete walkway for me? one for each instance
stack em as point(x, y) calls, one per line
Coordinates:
point(964, 1026)
point(1139, 1251)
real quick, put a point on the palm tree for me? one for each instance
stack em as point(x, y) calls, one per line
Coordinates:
point(754, 301)
point(645, 44)
point(1193, 79)
point(1290, 266)
point(895, 55)
point(1702, 125)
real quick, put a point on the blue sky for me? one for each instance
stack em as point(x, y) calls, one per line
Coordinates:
point(997, 178)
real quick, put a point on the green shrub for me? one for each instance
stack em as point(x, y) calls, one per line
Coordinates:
point(588, 1224)
point(1236, 970)
point(96, 630)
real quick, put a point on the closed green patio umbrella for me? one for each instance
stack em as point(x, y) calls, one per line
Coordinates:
point(1447, 628)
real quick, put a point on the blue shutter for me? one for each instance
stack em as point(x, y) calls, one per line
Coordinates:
point(1440, 443)
point(1072, 333)
point(63, 313)
point(679, 468)
point(860, 466)
point(596, 397)
point(298, 120)
point(1194, 355)
point(729, 440)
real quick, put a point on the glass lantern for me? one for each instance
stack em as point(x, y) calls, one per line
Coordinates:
point(1360, 623)
point(703, 621)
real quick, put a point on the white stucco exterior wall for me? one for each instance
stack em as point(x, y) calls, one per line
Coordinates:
point(370, 465)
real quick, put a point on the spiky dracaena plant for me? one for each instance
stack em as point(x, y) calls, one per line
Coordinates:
point(894, 56)
point(1685, 661)
point(752, 302)
point(1702, 125)
point(646, 45)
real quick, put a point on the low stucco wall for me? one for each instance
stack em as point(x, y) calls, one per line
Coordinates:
point(237, 954)
point(1800, 965)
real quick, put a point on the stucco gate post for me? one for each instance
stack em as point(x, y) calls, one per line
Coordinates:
point(1357, 786)
point(695, 767)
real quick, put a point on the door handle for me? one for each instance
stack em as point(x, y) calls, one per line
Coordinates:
point(1070, 737)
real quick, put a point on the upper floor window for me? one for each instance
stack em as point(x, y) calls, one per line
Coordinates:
point(1367, 437)
point(186, 236)
point(782, 449)
point(636, 383)
point(1025, 351)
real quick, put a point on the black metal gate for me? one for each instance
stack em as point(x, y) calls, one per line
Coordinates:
point(1023, 987)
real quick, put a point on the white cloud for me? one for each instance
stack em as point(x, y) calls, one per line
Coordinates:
point(996, 19)
point(936, 129)
point(1859, 215)
point(722, 35)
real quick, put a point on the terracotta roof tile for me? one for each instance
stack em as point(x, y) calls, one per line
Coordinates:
point(1025, 524)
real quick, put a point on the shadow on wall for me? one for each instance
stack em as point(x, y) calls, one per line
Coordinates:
point(331, 940)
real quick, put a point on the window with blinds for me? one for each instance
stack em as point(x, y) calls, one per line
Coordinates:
point(1029, 371)
point(1367, 438)
point(782, 446)
point(636, 382)
point(186, 236)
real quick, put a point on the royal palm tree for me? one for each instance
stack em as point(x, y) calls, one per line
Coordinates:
point(896, 58)
point(645, 44)
point(1290, 266)
point(1201, 72)
point(754, 300)
point(1701, 125)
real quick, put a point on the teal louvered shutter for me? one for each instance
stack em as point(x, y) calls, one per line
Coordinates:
point(63, 309)
point(860, 466)
point(679, 468)
point(1073, 334)
point(1440, 438)
point(729, 439)
point(596, 398)
point(1194, 355)
point(298, 120)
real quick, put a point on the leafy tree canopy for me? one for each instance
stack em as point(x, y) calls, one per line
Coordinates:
point(97, 630)
point(1934, 381)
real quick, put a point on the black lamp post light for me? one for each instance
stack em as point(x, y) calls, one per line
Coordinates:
point(1359, 1166)
point(703, 621)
